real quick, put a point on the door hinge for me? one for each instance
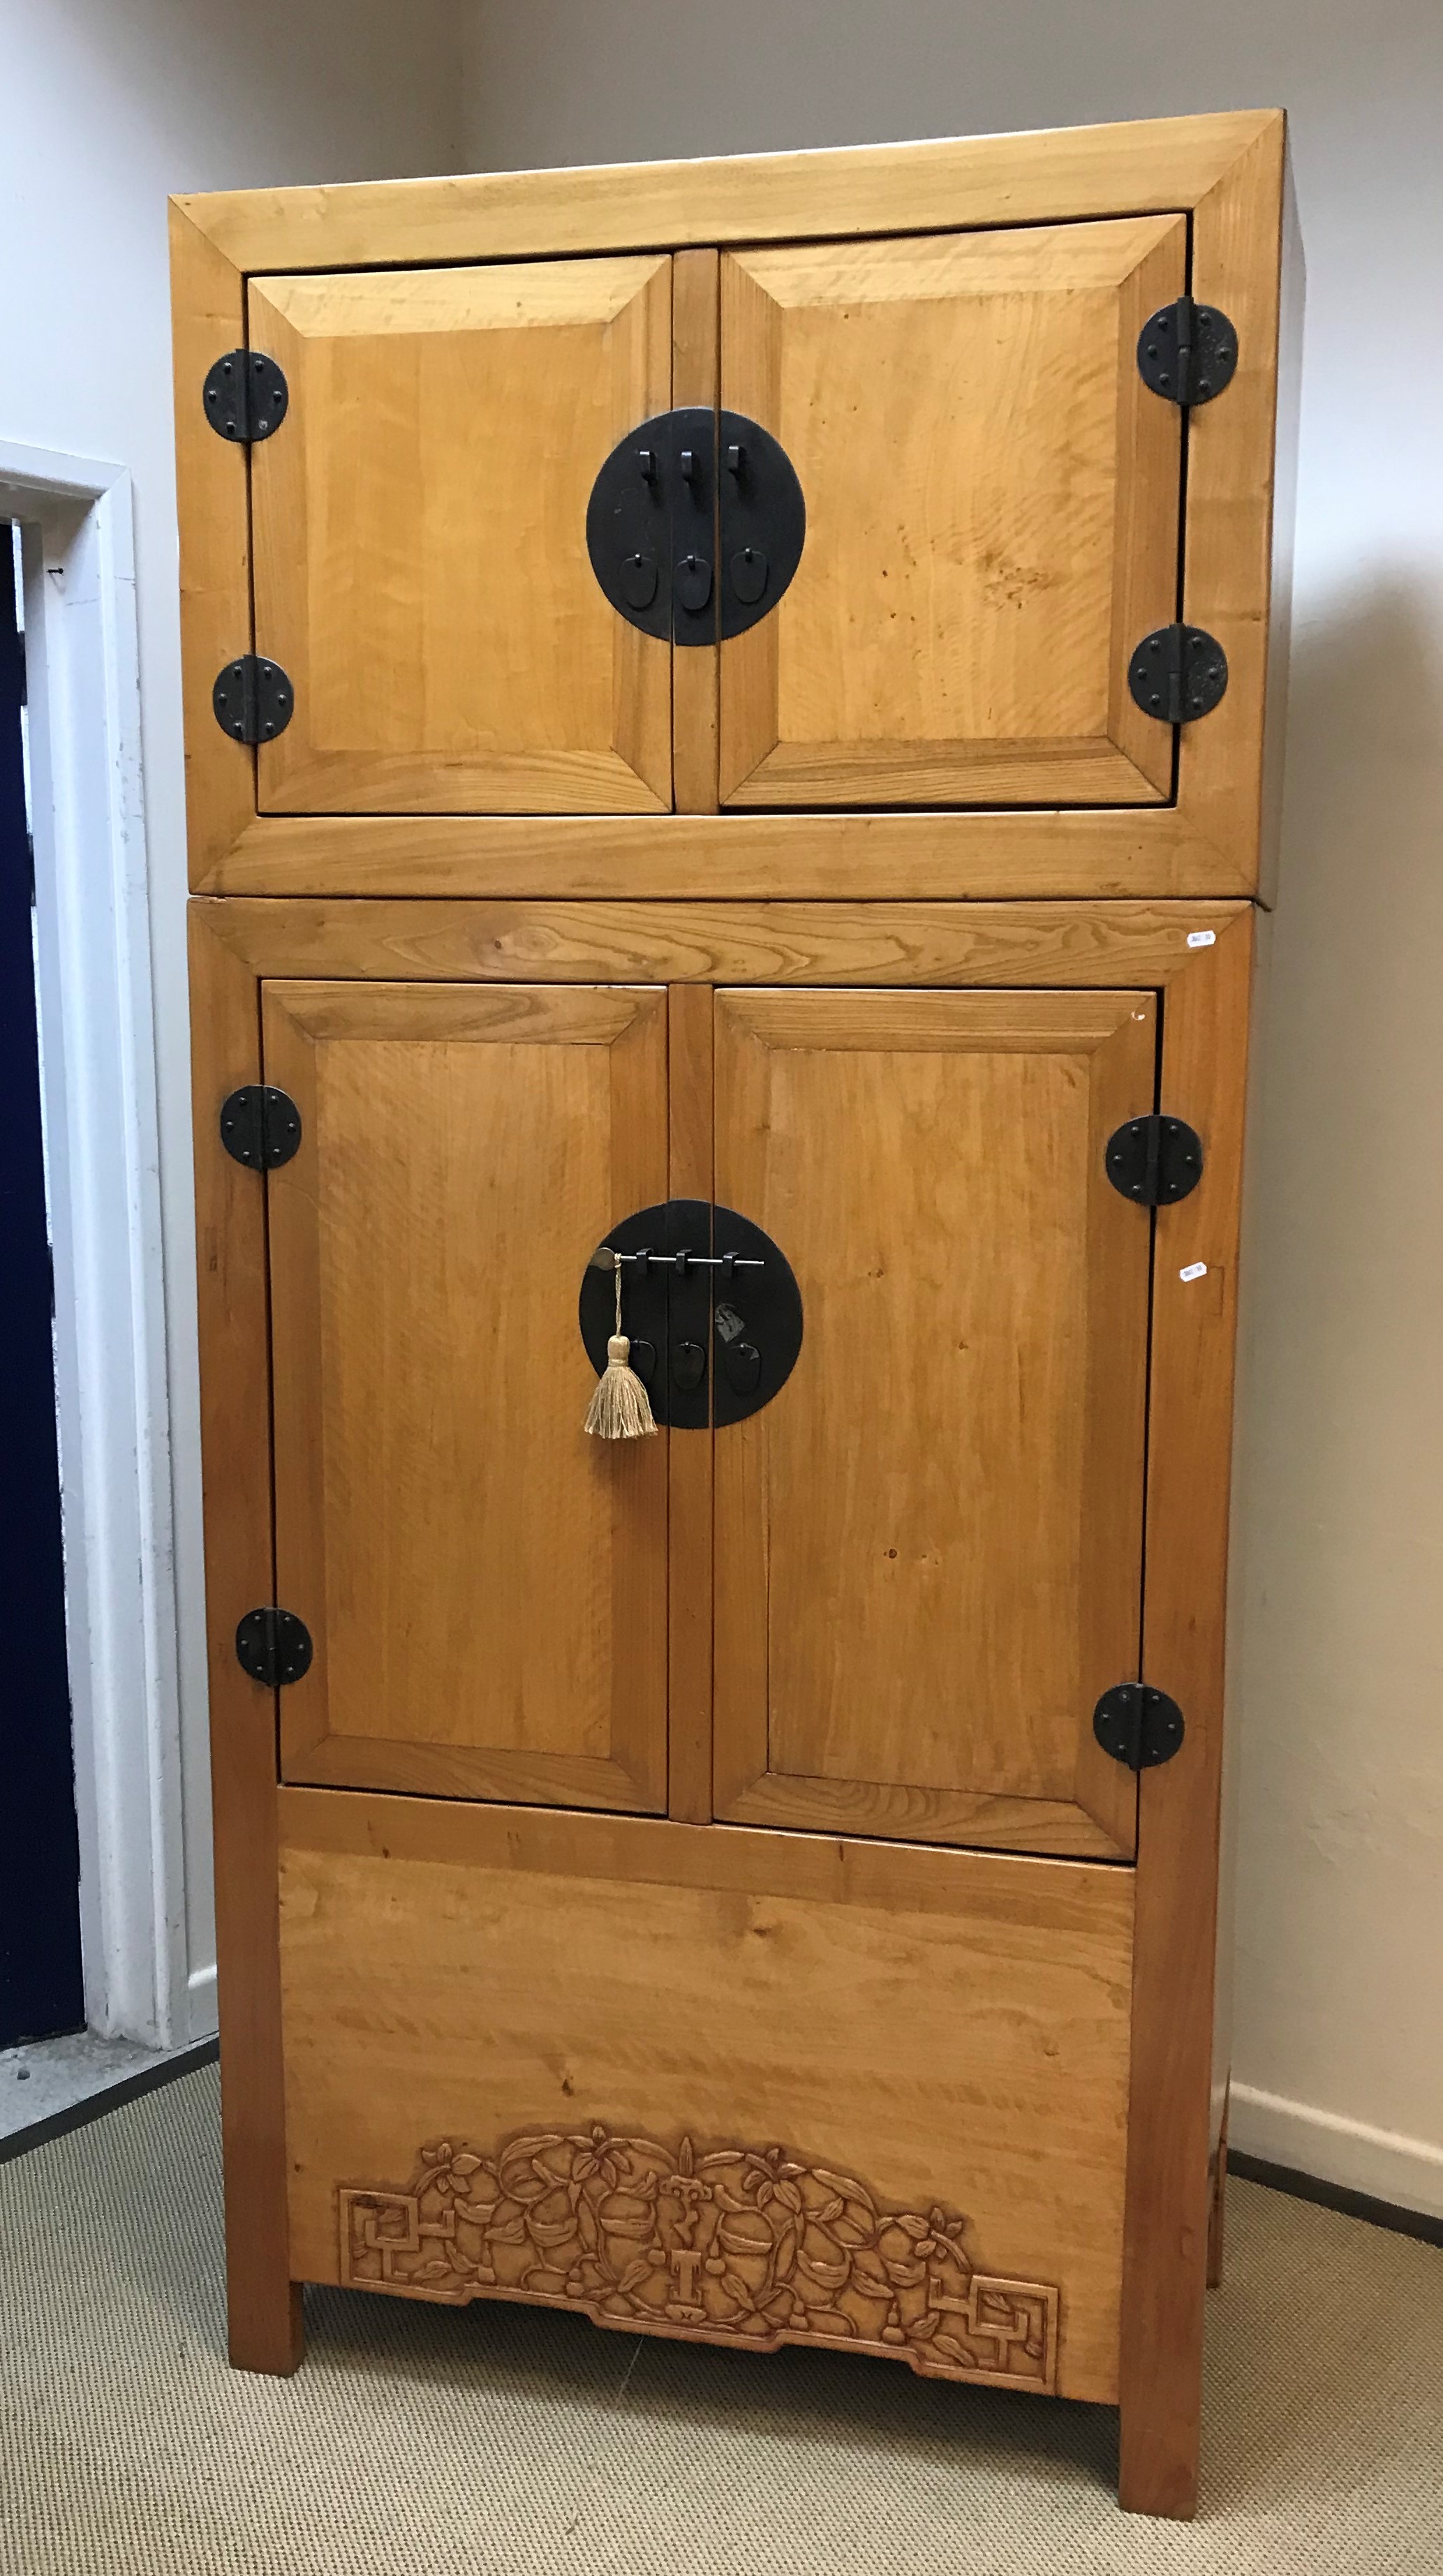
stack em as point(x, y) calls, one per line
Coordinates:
point(1187, 352)
point(1155, 1160)
point(260, 1126)
point(246, 396)
point(1138, 1725)
point(1178, 673)
point(696, 525)
point(273, 1646)
point(253, 699)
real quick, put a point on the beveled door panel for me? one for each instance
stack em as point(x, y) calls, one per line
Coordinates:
point(420, 549)
point(485, 1586)
point(928, 1552)
point(992, 510)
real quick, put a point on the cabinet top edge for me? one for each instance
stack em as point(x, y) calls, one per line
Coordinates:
point(1051, 174)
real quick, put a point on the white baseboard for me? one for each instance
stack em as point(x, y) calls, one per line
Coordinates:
point(1406, 2171)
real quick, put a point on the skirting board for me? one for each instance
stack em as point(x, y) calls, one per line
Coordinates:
point(1406, 2171)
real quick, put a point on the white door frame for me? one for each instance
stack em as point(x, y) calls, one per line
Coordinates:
point(98, 1090)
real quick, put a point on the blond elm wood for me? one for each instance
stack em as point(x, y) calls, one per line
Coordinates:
point(1204, 1071)
point(1151, 853)
point(1292, 293)
point(695, 326)
point(928, 1546)
point(208, 319)
point(959, 626)
point(772, 943)
point(1153, 166)
point(445, 633)
point(1238, 233)
point(689, 1464)
point(951, 2026)
point(485, 1586)
point(1229, 169)
point(265, 2323)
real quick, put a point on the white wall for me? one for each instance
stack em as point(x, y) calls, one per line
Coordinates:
point(105, 107)
point(1341, 1900)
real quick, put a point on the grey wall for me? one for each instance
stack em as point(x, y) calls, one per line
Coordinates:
point(1341, 1898)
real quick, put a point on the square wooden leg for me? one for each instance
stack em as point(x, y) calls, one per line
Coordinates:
point(267, 2325)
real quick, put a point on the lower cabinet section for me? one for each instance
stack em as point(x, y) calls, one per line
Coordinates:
point(749, 2087)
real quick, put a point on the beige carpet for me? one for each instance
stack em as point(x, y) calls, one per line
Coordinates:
point(490, 2440)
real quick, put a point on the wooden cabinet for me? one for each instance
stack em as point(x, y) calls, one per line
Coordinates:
point(757, 1882)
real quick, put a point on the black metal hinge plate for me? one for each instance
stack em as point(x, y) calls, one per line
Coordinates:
point(1154, 1161)
point(1187, 352)
point(695, 525)
point(1138, 1725)
point(246, 396)
point(260, 1126)
point(273, 1646)
point(1178, 673)
point(253, 699)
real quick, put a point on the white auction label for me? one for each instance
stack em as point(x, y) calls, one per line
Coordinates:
point(1194, 1270)
point(1202, 939)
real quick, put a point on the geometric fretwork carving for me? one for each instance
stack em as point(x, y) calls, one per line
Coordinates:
point(727, 2243)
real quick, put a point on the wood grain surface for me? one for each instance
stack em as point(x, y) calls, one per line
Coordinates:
point(265, 2324)
point(1204, 1080)
point(1153, 166)
point(928, 1545)
point(420, 539)
point(951, 2026)
point(959, 626)
point(485, 1586)
point(899, 944)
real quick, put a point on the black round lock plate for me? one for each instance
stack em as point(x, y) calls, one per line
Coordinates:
point(1211, 361)
point(695, 525)
point(712, 1339)
point(756, 1319)
point(763, 521)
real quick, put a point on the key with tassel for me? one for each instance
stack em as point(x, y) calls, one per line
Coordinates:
point(620, 1408)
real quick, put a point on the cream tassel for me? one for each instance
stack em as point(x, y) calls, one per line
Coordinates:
point(620, 1409)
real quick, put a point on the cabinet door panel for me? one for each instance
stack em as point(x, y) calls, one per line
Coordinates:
point(928, 1546)
point(485, 1585)
point(992, 512)
point(420, 540)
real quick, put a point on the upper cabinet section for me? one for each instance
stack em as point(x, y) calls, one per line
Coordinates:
point(892, 522)
point(420, 540)
point(992, 513)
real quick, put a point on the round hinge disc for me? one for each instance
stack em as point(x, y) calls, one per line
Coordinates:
point(1213, 358)
point(1204, 673)
point(245, 387)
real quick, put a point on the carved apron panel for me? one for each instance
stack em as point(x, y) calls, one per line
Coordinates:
point(732, 2243)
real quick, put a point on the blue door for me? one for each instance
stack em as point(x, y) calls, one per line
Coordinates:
point(40, 1983)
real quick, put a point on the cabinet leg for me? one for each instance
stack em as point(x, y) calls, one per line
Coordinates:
point(1158, 2457)
point(267, 2325)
